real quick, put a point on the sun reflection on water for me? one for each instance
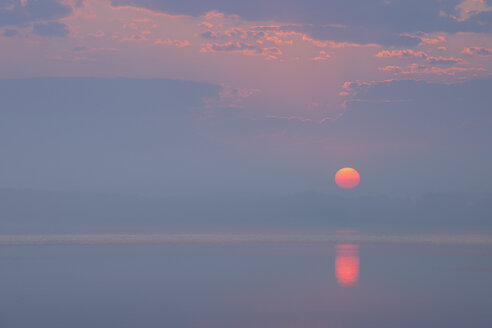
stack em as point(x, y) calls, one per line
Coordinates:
point(347, 264)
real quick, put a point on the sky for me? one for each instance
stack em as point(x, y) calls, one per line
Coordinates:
point(212, 97)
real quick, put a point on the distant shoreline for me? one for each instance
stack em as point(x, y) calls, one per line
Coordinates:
point(245, 238)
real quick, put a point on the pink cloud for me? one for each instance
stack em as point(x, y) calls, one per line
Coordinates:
point(444, 60)
point(478, 51)
point(213, 15)
point(276, 39)
point(432, 40)
point(333, 44)
point(323, 55)
point(423, 69)
point(401, 53)
point(206, 24)
point(275, 34)
point(409, 53)
point(352, 87)
point(176, 43)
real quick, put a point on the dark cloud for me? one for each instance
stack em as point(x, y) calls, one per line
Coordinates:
point(359, 34)
point(434, 132)
point(365, 21)
point(13, 12)
point(10, 33)
point(50, 29)
point(482, 22)
point(243, 47)
point(128, 135)
point(479, 51)
point(457, 116)
point(416, 55)
point(70, 131)
point(443, 60)
point(402, 14)
point(403, 110)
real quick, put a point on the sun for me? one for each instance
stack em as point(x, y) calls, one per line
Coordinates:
point(347, 178)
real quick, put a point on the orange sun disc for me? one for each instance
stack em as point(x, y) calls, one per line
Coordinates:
point(347, 178)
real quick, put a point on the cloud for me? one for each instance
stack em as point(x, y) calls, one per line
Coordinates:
point(444, 60)
point(51, 29)
point(323, 55)
point(360, 21)
point(243, 48)
point(359, 35)
point(229, 97)
point(416, 69)
point(133, 125)
point(10, 33)
point(478, 51)
point(409, 53)
point(426, 39)
point(401, 53)
point(360, 12)
point(139, 135)
point(427, 121)
point(439, 107)
point(176, 43)
point(235, 32)
point(20, 13)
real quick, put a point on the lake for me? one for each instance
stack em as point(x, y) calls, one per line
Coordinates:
point(254, 284)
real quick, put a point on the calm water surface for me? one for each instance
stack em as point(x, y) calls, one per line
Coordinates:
point(345, 285)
